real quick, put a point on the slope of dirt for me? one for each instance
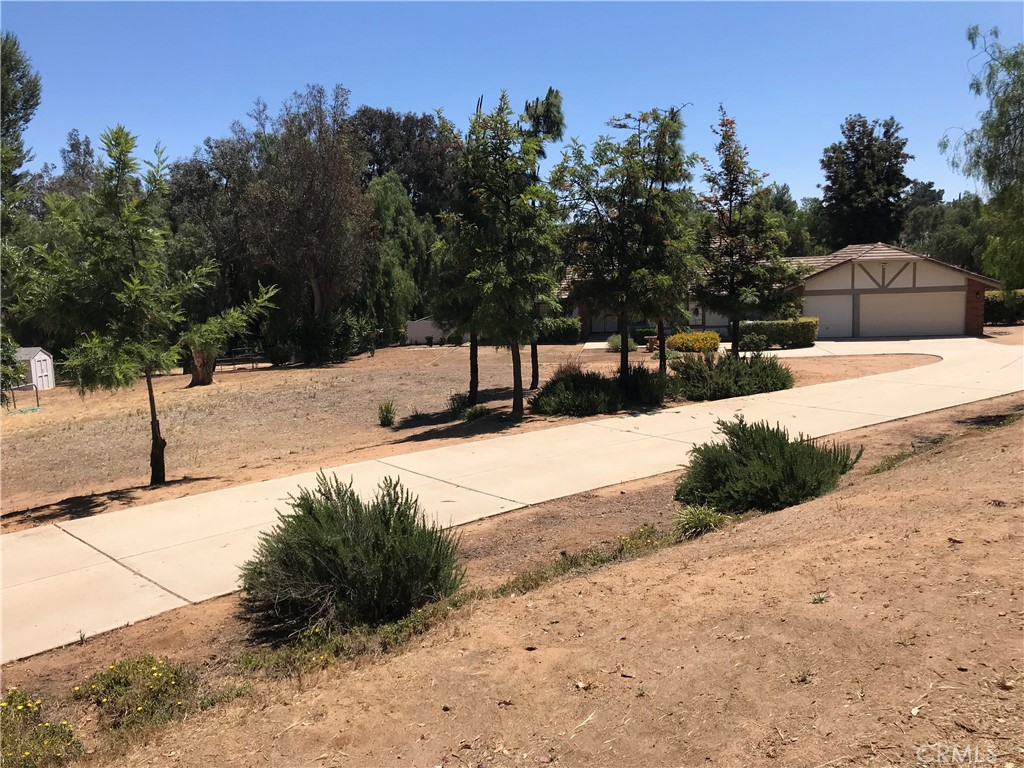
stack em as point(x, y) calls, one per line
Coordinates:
point(83, 456)
point(710, 652)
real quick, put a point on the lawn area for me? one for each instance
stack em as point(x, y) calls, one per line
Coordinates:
point(80, 456)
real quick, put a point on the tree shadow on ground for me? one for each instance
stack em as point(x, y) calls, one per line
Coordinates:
point(444, 424)
point(77, 507)
point(993, 419)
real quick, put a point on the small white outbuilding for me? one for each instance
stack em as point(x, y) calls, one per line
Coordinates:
point(38, 367)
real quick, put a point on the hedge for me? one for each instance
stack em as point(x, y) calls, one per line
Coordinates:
point(640, 334)
point(787, 334)
point(1004, 307)
point(694, 341)
point(559, 330)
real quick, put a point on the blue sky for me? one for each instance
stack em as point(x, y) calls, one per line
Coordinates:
point(788, 72)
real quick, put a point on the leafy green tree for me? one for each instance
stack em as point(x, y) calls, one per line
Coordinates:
point(797, 221)
point(20, 92)
point(305, 213)
point(626, 237)
point(955, 232)
point(12, 372)
point(138, 342)
point(511, 225)
point(994, 152)
point(862, 197)
point(742, 240)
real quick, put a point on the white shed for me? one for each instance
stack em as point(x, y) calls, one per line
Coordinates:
point(38, 367)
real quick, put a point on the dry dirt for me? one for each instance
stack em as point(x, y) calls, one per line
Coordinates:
point(707, 653)
point(82, 456)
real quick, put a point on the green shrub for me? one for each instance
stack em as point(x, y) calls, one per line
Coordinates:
point(335, 562)
point(475, 412)
point(694, 341)
point(30, 738)
point(386, 413)
point(640, 334)
point(456, 339)
point(1004, 307)
point(615, 343)
point(140, 691)
point(429, 340)
point(577, 394)
point(760, 467)
point(670, 354)
point(456, 404)
point(694, 520)
point(787, 334)
point(753, 342)
point(645, 387)
point(559, 330)
point(715, 377)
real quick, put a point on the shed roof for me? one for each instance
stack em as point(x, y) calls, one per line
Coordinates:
point(879, 252)
point(27, 353)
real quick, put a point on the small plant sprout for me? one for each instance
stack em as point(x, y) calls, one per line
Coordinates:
point(804, 677)
point(386, 413)
point(817, 598)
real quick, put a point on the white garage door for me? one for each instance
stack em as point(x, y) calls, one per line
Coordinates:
point(913, 314)
point(834, 313)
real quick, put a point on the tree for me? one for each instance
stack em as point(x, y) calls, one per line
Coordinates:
point(741, 240)
point(12, 372)
point(955, 232)
point(305, 213)
point(511, 225)
point(626, 247)
point(20, 92)
point(994, 151)
point(137, 343)
point(862, 196)
point(796, 221)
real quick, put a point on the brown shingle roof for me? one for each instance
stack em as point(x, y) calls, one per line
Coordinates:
point(877, 252)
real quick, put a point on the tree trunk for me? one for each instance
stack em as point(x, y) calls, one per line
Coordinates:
point(318, 299)
point(157, 473)
point(534, 366)
point(734, 333)
point(663, 362)
point(623, 350)
point(202, 369)
point(517, 383)
point(474, 368)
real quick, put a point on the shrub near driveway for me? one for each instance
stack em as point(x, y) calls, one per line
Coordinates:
point(761, 467)
point(336, 562)
point(787, 334)
point(715, 377)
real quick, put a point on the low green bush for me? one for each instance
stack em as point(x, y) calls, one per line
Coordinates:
point(386, 413)
point(1004, 307)
point(694, 341)
point(753, 342)
point(615, 343)
point(670, 354)
point(714, 377)
point(140, 691)
point(787, 334)
point(456, 404)
point(581, 393)
point(694, 520)
point(336, 562)
point(31, 739)
point(640, 334)
point(644, 386)
point(761, 467)
point(559, 330)
point(475, 412)
point(456, 339)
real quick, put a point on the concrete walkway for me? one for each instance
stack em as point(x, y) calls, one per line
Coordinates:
point(95, 574)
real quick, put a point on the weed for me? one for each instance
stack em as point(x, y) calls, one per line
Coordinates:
point(693, 521)
point(457, 404)
point(891, 462)
point(817, 598)
point(140, 691)
point(803, 677)
point(30, 738)
point(222, 697)
point(386, 413)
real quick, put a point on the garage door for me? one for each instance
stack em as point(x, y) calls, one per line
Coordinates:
point(913, 314)
point(834, 313)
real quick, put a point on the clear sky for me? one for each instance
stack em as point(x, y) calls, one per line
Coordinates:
point(788, 72)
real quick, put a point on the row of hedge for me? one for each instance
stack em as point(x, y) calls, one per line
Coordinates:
point(559, 330)
point(1004, 307)
point(786, 334)
point(694, 341)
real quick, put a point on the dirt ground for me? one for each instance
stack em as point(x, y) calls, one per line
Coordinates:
point(707, 653)
point(81, 456)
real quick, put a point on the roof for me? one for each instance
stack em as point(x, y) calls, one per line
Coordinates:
point(27, 353)
point(879, 252)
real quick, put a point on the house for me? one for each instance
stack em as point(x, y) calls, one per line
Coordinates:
point(878, 290)
point(38, 367)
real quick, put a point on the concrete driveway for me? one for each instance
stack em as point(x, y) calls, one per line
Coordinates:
point(86, 576)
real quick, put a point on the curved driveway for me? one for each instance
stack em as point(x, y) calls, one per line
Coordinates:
point(94, 574)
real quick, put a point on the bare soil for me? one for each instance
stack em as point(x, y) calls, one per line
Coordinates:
point(79, 456)
point(707, 653)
